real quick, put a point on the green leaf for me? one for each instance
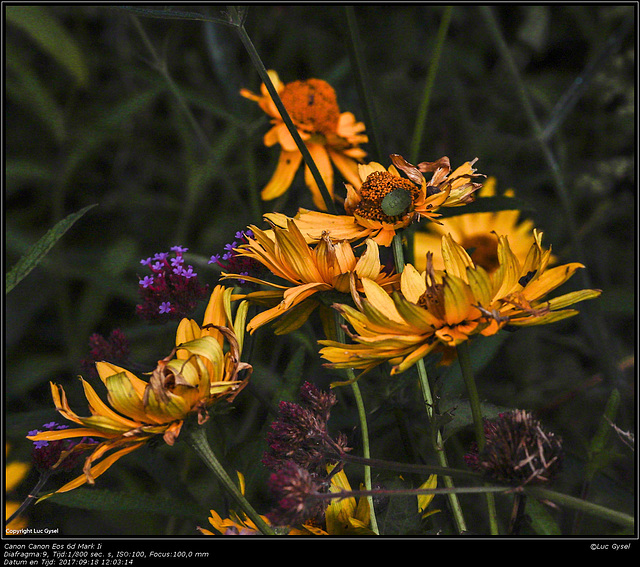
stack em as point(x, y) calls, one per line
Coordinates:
point(401, 515)
point(482, 350)
point(40, 249)
point(600, 451)
point(27, 89)
point(51, 36)
point(171, 14)
point(542, 521)
point(109, 501)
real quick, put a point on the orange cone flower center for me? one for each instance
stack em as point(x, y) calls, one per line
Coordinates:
point(379, 185)
point(483, 250)
point(312, 105)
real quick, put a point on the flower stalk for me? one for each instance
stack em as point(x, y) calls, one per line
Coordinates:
point(362, 416)
point(398, 255)
point(197, 440)
point(44, 477)
point(476, 413)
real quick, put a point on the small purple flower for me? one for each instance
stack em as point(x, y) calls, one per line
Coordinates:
point(146, 262)
point(188, 273)
point(233, 262)
point(175, 292)
point(165, 307)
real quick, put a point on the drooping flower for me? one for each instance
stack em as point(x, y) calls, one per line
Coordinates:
point(306, 272)
point(448, 307)
point(517, 450)
point(383, 202)
point(203, 369)
point(172, 291)
point(477, 234)
point(332, 137)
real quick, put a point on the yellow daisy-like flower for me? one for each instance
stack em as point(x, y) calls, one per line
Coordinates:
point(332, 137)
point(383, 202)
point(197, 374)
point(327, 266)
point(446, 308)
point(238, 523)
point(343, 516)
point(476, 233)
point(14, 474)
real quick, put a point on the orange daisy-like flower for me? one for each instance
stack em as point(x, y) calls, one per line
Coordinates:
point(200, 374)
point(477, 234)
point(331, 136)
point(439, 308)
point(383, 202)
point(327, 266)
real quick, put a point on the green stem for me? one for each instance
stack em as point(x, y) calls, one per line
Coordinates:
point(398, 252)
point(362, 416)
point(431, 75)
point(439, 447)
point(363, 84)
point(582, 505)
point(476, 413)
point(472, 391)
point(306, 155)
point(44, 477)
point(197, 440)
point(398, 256)
point(409, 467)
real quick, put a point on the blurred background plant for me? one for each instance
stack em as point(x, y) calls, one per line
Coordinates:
point(139, 121)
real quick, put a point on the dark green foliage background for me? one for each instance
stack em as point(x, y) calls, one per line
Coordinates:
point(109, 130)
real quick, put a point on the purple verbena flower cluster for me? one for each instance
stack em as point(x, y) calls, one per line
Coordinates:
point(301, 434)
point(233, 263)
point(301, 452)
point(113, 349)
point(47, 454)
point(171, 291)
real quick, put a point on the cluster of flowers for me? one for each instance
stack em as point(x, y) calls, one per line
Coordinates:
point(231, 261)
point(62, 455)
point(303, 456)
point(114, 348)
point(518, 450)
point(171, 291)
point(482, 275)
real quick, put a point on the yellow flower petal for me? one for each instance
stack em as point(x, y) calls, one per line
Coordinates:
point(412, 283)
point(288, 164)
